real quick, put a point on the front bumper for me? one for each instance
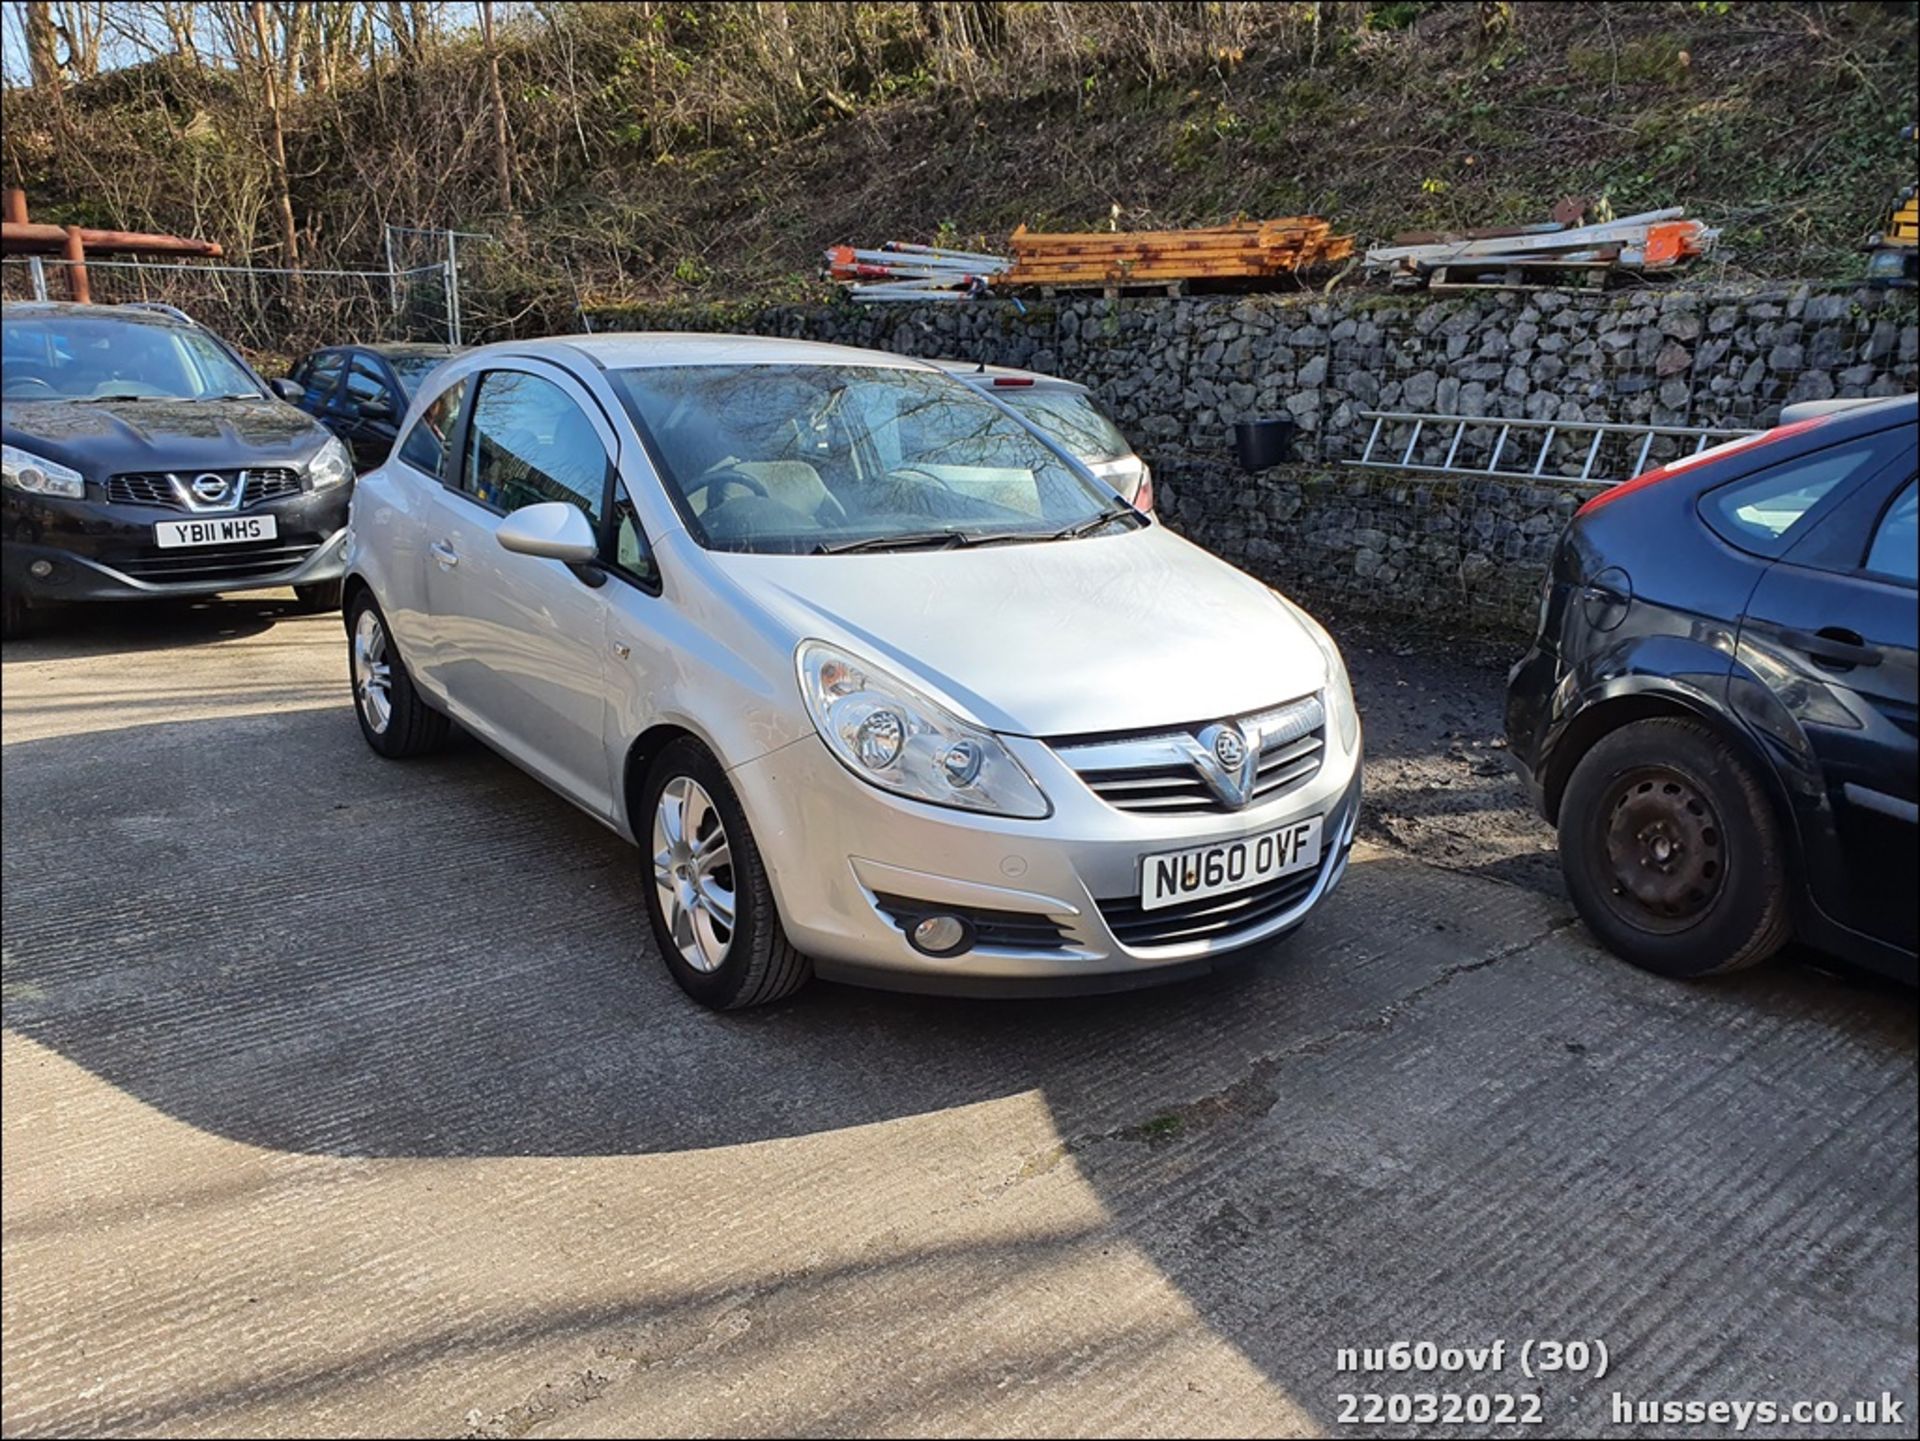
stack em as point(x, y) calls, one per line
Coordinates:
point(89, 550)
point(840, 854)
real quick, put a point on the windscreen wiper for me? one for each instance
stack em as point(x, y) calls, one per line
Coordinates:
point(910, 540)
point(101, 399)
point(1089, 525)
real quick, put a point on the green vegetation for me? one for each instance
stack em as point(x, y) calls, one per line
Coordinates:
point(712, 151)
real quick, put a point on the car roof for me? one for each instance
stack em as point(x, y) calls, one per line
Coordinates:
point(402, 349)
point(631, 350)
point(132, 314)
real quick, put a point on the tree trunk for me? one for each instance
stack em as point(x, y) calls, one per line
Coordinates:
point(502, 152)
point(290, 238)
point(42, 47)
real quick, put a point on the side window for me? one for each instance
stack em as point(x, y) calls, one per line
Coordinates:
point(529, 442)
point(364, 383)
point(322, 371)
point(632, 555)
point(1764, 512)
point(1897, 537)
point(425, 447)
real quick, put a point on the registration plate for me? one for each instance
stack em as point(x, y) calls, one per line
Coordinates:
point(227, 530)
point(1174, 876)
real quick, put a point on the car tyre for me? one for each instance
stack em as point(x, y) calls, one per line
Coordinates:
point(317, 598)
point(1672, 853)
point(396, 722)
point(16, 616)
point(712, 908)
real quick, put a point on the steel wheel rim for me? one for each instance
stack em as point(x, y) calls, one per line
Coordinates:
point(372, 672)
point(693, 874)
point(1664, 851)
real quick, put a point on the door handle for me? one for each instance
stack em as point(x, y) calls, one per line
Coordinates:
point(443, 553)
point(1833, 647)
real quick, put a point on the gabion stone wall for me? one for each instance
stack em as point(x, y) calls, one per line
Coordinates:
point(1177, 373)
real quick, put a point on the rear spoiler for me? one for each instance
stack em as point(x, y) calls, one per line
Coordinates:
point(1807, 409)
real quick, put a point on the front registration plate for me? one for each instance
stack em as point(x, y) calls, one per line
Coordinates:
point(227, 530)
point(1175, 876)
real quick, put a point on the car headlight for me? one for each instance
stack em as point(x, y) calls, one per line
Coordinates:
point(893, 736)
point(1339, 685)
point(331, 465)
point(36, 475)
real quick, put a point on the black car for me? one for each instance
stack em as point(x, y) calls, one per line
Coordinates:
point(361, 392)
point(1719, 710)
point(144, 458)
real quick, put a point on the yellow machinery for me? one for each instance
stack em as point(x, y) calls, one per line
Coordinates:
point(1892, 257)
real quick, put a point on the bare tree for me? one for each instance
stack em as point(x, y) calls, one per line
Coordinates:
point(290, 238)
point(502, 151)
point(43, 46)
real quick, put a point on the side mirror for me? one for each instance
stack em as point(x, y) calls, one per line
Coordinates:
point(552, 530)
point(289, 389)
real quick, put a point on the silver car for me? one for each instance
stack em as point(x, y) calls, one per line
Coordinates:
point(1064, 411)
point(886, 688)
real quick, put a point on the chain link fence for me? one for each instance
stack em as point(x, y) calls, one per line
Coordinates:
point(273, 316)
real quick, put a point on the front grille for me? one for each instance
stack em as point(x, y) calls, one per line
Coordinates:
point(226, 566)
point(1004, 930)
point(1165, 773)
point(156, 488)
point(1211, 917)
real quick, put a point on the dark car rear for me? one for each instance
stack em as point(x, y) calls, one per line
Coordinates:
point(361, 392)
point(1719, 710)
point(145, 459)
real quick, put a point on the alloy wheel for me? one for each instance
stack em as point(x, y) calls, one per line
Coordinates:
point(693, 872)
point(372, 671)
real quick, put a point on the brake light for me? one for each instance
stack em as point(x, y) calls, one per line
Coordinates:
point(1143, 497)
point(1013, 380)
point(1687, 462)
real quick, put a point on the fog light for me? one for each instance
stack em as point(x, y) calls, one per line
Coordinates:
point(40, 569)
point(940, 935)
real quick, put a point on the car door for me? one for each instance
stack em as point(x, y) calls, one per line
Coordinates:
point(366, 411)
point(1833, 622)
point(319, 378)
point(519, 642)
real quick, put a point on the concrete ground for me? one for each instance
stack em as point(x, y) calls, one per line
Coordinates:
point(346, 1097)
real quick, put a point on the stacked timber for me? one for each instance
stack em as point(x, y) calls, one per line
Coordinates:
point(1247, 250)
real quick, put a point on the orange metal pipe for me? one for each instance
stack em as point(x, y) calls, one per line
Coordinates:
point(20, 235)
point(76, 251)
point(16, 206)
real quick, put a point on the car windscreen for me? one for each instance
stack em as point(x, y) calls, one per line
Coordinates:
point(802, 458)
point(412, 369)
point(1070, 418)
point(101, 357)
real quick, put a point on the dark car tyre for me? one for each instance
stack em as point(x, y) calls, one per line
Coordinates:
point(16, 616)
point(321, 596)
point(1672, 853)
point(706, 886)
point(395, 720)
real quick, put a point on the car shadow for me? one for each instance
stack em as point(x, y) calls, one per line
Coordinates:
point(79, 631)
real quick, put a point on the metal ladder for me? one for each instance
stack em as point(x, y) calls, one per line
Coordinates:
point(1379, 458)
